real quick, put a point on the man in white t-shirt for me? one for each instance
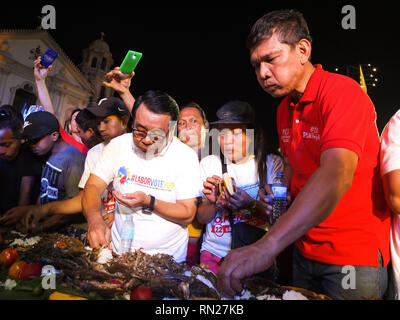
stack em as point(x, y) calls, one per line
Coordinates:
point(156, 179)
point(390, 172)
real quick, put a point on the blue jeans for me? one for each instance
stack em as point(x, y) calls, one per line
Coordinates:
point(335, 281)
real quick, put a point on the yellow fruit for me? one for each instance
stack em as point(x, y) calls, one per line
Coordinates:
point(63, 296)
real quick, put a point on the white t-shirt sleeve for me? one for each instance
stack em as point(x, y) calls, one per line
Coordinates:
point(210, 166)
point(90, 163)
point(104, 168)
point(390, 146)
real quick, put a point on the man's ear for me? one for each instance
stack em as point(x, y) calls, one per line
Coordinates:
point(207, 125)
point(304, 50)
point(55, 136)
point(125, 121)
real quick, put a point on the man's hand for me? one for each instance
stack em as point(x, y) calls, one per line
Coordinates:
point(240, 264)
point(109, 219)
point(98, 235)
point(14, 215)
point(40, 73)
point(31, 218)
point(118, 81)
point(240, 200)
point(137, 199)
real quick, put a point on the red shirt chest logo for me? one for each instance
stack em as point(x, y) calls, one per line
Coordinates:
point(312, 133)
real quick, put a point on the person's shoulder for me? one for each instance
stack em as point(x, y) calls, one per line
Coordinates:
point(396, 117)
point(338, 82)
point(210, 160)
point(97, 149)
point(180, 148)
point(72, 152)
point(392, 125)
point(121, 140)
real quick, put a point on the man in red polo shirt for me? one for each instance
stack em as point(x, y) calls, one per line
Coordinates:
point(338, 220)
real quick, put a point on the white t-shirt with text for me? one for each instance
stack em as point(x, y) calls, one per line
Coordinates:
point(217, 238)
point(174, 175)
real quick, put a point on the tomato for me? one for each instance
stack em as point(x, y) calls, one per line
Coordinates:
point(141, 293)
point(8, 256)
point(30, 270)
point(16, 268)
point(61, 244)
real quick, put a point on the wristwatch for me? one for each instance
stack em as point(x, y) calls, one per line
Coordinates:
point(150, 208)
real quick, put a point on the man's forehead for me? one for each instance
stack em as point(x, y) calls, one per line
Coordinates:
point(267, 48)
point(6, 134)
point(190, 112)
point(149, 120)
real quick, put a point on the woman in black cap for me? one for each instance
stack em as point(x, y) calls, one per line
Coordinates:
point(243, 150)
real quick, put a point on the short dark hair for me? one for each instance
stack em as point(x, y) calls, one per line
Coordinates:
point(196, 106)
point(87, 121)
point(158, 102)
point(10, 119)
point(73, 112)
point(289, 25)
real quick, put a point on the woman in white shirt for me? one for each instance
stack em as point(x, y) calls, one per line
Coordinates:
point(243, 148)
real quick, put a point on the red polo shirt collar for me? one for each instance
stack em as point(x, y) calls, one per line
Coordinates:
point(312, 88)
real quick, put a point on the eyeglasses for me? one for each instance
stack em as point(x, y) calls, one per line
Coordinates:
point(154, 135)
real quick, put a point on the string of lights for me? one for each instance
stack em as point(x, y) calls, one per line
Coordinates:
point(369, 71)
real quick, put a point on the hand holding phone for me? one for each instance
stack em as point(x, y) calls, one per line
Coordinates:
point(130, 62)
point(48, 58)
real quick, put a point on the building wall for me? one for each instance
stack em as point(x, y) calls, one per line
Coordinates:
point(67, 86)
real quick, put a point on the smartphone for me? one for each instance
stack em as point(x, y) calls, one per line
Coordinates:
point(130, 62)
point(48, 58)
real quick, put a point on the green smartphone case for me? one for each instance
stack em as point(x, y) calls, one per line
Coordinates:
point(130, 62)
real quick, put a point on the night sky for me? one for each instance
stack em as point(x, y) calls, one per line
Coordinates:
point(199, 53)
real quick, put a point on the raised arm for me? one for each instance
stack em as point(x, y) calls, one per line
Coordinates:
point(121, 83)
point(40, 74)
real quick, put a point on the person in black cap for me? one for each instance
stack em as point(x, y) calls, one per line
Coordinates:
point(112, 118)
point(243, 149)
point(64, 163)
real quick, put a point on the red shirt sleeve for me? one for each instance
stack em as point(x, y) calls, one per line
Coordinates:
point(70, 140)
point(347, 114)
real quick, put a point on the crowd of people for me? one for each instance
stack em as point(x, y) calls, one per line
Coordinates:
point(162, 164)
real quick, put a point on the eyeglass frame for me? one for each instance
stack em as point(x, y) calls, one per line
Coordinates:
point(145, 134)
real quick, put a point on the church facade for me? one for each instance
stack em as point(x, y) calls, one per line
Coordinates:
point(70, 86)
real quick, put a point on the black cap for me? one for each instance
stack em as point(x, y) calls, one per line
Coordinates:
point(39, 124)
point(109, 106)
point(236, 112)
